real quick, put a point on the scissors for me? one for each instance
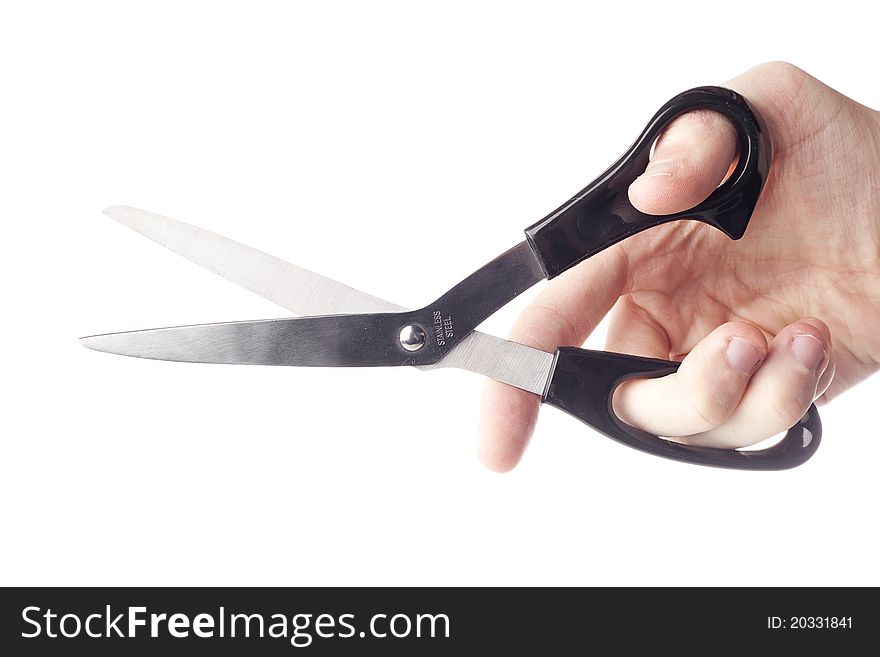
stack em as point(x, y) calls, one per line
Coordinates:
point(343, 327)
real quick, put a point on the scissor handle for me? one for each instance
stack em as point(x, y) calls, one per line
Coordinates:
point(583, 382)
point(601, 215)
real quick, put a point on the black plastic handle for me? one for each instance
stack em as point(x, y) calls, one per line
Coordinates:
point(601, 215)
point(582, 384)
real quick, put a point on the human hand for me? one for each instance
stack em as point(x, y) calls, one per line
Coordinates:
point(752, 319)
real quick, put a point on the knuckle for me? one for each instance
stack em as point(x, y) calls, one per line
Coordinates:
point(694, 125)
point(787, 78)
point(543, 325)
point(740, 327)
point(780, 69)
point(712, 408)
point(712, 123)
point(787, 407)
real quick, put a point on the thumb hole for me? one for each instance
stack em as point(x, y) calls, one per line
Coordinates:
point(689, 160)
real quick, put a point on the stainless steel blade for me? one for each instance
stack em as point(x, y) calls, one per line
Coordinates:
point(323, 341)
point(298, 290)
point(305, 292)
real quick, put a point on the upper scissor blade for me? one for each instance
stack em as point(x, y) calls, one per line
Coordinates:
point(298, 290)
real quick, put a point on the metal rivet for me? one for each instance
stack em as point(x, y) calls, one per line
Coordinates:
point(412, 337)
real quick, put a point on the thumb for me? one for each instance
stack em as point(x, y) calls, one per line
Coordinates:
point(690, 159)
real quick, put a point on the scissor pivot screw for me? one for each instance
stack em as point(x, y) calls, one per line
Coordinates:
point(412, 337)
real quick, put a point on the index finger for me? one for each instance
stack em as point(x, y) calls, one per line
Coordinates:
point(565, 313)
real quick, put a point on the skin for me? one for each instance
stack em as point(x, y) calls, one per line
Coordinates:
point(751, 320)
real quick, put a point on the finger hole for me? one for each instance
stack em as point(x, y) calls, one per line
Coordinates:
point(777, 396)
point(704, 392)
point(732, 167)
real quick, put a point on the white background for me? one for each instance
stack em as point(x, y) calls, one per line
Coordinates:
point(395, 147)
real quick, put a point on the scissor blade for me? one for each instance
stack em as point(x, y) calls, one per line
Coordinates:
point(304, 292)
point(324, 341)
point(298, 290)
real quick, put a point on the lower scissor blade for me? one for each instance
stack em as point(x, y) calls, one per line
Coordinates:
point(325, 341)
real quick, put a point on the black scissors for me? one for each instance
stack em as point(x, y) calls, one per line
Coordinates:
point(373, 332)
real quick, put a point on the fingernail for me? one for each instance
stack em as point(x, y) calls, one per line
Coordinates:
point(660, 168)
point(808, 350)
point(743, 355)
